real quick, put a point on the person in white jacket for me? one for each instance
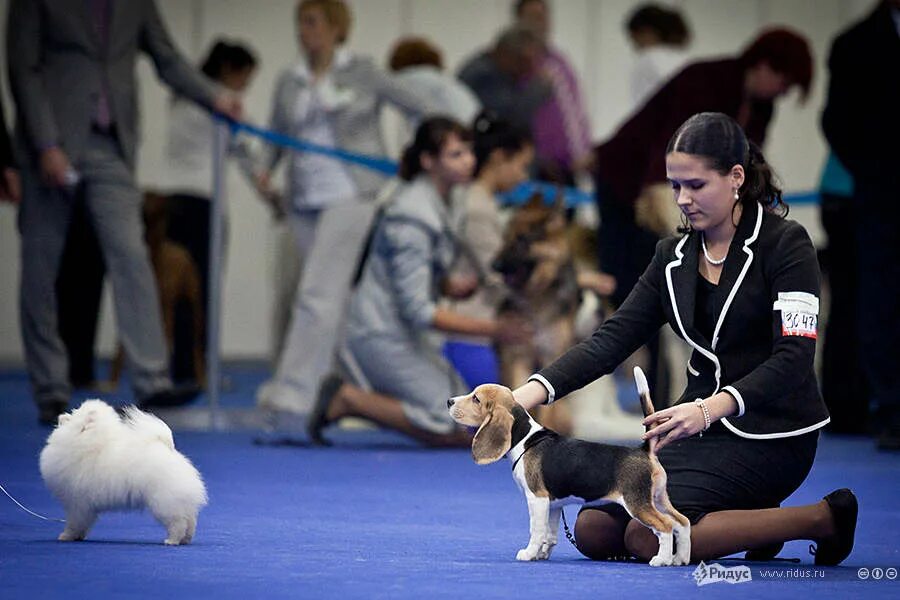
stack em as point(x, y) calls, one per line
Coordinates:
point(330, 97)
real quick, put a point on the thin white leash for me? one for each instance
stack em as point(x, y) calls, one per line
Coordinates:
point(19, 504)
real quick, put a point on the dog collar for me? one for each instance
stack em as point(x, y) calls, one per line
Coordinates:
point(535, 435)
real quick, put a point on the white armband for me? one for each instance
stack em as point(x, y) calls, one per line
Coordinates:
point(799, 313)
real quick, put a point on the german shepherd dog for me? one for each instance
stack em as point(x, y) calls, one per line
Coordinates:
point(538, 267)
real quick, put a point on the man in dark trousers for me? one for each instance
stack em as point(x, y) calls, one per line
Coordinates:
point(862, 124)
point(72, 74)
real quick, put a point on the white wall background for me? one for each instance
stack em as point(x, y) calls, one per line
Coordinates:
point(590, 32)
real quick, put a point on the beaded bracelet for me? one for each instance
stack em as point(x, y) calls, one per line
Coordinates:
point(706, 420)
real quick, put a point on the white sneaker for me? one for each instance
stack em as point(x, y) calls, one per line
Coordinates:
point(275, 396)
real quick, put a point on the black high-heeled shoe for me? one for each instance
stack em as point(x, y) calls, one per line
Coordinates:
point(317, 417)
point(765, 553)
point(844, 510)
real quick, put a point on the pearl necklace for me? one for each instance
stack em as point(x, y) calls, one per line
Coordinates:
point(706, 253)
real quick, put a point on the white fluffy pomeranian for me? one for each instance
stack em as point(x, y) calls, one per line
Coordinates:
point(97, 461)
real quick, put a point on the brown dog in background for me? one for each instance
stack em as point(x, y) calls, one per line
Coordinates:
point(177, 280)
point(538, 267)
point(546, 281)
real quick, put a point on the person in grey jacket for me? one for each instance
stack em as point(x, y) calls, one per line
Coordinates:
point(332, 98)
point(395, 307)
point(507, 78)
point(71, 67)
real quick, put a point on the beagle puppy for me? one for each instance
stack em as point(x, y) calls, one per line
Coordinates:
point(553, 470)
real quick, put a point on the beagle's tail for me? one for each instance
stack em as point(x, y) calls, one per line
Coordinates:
point(646, 404)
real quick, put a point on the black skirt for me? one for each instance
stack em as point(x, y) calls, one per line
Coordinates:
point(723, 471)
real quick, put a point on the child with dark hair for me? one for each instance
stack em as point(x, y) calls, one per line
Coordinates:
point(652, 24)
point(230, 64)
point(740, 285)
point(660, 37)
point(395, 306)
point(189, 155)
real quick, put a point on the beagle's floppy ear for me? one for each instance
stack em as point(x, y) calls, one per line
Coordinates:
point(494, 438)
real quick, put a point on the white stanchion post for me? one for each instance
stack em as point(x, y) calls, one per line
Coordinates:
point(214, 303)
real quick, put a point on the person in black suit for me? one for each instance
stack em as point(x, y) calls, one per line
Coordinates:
point(862, 124)
point(740, 285)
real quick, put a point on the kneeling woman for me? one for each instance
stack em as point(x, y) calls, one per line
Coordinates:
point(395, 306)
point(741, 288)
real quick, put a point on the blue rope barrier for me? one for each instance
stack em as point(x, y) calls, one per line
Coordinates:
point(375, 163)
point(521, 194)
point(389, 167)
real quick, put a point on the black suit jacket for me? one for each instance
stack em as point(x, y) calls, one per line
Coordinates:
point(861, 119)
point(770, 282)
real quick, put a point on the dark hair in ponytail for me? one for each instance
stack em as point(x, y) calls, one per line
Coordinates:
point(760, 183)
point(431, 135)
point(491, 132)
point(225, 54)
point(720, 140)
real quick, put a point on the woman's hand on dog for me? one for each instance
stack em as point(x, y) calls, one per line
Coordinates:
point(674, 423)
point(684, 420)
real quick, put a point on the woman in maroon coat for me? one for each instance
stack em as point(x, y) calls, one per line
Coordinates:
point(743, 87)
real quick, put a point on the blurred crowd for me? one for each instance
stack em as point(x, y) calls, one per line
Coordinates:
point(400, 292)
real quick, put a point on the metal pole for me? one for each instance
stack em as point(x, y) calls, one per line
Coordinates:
point(214, 304)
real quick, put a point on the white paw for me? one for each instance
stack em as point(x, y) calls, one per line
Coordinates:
point(171, 542)
point(681, 558)
point(661, 561)
point(69, 536)
point(528, 553)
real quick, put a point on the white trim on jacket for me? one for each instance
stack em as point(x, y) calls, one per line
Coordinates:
point(677, 262)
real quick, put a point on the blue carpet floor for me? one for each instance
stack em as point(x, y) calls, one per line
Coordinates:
point(378, 517)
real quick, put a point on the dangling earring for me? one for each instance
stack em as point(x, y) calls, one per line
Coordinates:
point(737, 196)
